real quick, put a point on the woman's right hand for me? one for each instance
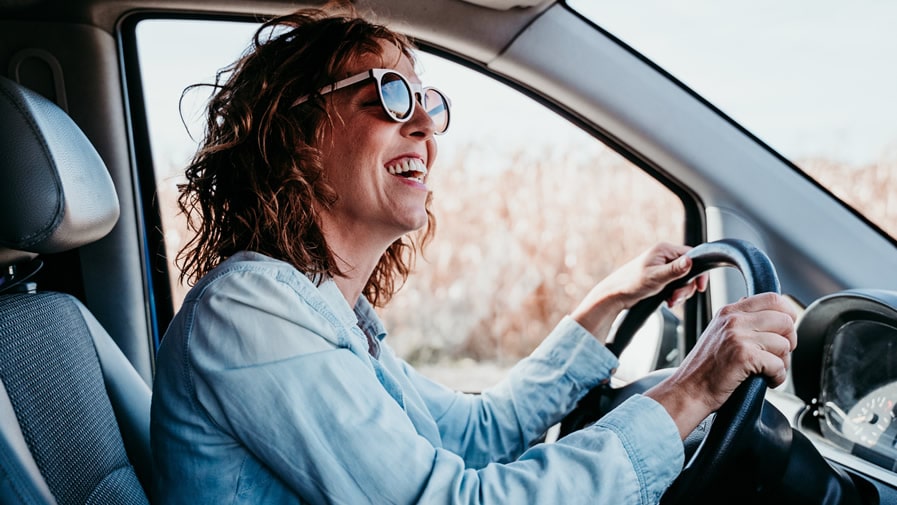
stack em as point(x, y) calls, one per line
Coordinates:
point(643, 276)
point(752, 336)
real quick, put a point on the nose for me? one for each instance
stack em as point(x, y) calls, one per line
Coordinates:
point(420, 124)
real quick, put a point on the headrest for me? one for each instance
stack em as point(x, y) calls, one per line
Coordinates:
point(55, 191)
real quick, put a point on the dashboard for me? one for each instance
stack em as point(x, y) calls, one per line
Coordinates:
point(846, 368)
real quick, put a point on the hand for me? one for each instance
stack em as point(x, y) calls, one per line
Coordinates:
point(644, 276)
point(753, 336)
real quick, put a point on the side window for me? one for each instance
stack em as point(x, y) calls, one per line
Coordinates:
point(531, 210)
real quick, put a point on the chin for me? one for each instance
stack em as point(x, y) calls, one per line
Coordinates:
point(418, 223)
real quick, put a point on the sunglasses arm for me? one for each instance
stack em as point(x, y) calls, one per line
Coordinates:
point(330, 88)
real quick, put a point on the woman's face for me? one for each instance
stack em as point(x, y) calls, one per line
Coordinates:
point(363, 148)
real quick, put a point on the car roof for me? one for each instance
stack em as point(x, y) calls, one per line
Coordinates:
point(480, 29)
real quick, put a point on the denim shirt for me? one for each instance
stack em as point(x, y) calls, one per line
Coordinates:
point(265, 393)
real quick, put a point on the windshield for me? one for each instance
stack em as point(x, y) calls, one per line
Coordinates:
point(813, 80)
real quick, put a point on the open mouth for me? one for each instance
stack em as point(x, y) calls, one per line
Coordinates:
point(409, 168)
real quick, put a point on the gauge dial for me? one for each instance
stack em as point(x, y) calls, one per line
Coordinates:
point(871, 416)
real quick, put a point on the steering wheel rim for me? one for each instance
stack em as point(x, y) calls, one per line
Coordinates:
point(734, 421)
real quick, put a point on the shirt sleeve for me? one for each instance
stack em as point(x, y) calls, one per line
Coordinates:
point(498, 425)
point(321, 422)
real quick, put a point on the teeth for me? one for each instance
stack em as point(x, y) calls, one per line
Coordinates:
point(409, 165)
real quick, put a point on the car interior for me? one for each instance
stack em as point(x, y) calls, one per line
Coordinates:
point(86, 289)
point(72, 402)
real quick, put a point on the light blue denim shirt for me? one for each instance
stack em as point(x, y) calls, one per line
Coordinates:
point(265, 393)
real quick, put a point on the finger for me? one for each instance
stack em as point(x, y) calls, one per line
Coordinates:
point(775, 323)
point(770, 339)
point(668, 251)
point(674, 269)
point(767, 301)
point(681, 294)
point(791, 335)
point(701, 282)
point(676, 250)
point(773, 343)
point(698, 284)
point(772, 321)
point(773, 368)
point(658, 276)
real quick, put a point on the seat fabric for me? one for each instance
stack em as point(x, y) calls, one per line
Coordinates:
point(51, 372)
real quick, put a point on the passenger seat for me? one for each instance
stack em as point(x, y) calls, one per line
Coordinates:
point(74, 414)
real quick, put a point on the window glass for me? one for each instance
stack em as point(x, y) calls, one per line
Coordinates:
point(531, 211)
point(811, 79)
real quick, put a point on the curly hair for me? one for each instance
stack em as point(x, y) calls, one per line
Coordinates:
point(257, 180)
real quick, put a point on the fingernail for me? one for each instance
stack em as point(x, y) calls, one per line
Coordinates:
point(682, 262)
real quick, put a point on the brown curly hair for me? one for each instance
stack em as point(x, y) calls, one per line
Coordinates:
point(257, 179)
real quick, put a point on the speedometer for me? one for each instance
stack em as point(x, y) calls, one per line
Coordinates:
point(871, 416)
point(848, 345)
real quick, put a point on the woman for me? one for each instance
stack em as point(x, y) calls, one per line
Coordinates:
point(274, 384)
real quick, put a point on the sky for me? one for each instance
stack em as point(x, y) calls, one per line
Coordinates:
point(809, 77)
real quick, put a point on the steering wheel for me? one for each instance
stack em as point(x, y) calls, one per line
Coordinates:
point(735, 421)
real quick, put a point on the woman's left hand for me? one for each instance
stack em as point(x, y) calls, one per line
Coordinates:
point(644, 276)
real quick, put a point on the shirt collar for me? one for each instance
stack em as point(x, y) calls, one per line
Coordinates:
point(363, 313)
point(368, 319)
point(337, 302)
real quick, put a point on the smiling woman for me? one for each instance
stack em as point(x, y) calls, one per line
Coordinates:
point(567, 154)
point(486, 289)
point(303, 225)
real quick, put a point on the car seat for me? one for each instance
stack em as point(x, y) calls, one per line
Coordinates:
point(74, 414)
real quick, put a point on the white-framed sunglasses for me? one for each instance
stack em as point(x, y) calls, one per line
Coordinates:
point(397, 96)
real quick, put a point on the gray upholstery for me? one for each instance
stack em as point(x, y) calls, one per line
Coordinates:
point(56, 388)
point(20, 478)
point(44, 155)
point(74, 414)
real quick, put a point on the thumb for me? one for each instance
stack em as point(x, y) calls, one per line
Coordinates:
point(675, 269)
point(661, 275)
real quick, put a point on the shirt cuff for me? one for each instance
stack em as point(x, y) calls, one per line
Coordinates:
point(651, 439)
point(572, 348)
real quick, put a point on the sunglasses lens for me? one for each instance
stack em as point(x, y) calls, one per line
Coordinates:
point(396, 96)
point(437, 108)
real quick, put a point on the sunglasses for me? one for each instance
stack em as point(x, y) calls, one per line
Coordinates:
point(397, 96)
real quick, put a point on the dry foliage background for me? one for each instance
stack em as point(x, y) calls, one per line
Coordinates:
point(872, 188)
point(516, 249)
